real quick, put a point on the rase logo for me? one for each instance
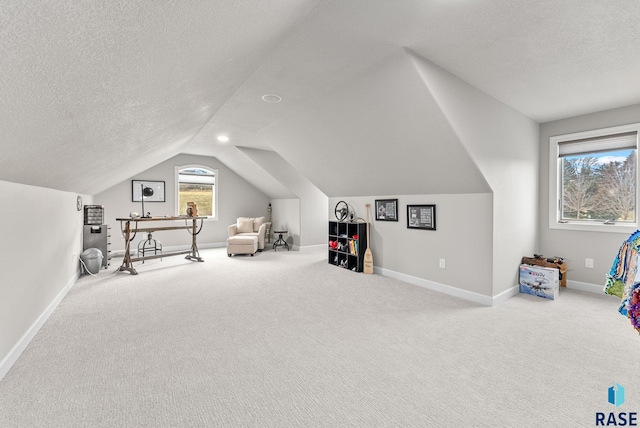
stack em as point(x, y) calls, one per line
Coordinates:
point(616, 397)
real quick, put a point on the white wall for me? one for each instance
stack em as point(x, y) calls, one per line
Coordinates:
point(286, 216)
point(381, 132)
point(236, 198)
point(463, 240)
point(504, 145)
point(574, 245)
point(41, 241)
point(312, 202)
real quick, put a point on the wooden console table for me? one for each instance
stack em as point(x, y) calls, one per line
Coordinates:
point(127, 230)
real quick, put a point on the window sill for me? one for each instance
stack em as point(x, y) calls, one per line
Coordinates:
point(189, 218)
point(595, 227)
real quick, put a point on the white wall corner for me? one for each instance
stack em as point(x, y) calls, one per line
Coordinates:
point(500, 298)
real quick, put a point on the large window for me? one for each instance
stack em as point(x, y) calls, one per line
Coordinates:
point(594, 177)
point(197, 184)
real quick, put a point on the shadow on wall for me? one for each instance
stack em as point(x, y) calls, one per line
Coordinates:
point(291, 240)
point(376, 245)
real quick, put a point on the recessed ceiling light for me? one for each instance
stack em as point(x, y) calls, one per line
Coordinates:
point(223, 138)
point(271, 98)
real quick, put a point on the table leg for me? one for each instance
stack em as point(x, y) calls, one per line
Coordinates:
point(126, 261)
point(195, 254)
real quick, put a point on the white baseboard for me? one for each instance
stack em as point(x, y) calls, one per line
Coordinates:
point(496, 300)
point(442, 288)
point(506, 295)
point(312, 247)
point(585, 286)
point(9, 360)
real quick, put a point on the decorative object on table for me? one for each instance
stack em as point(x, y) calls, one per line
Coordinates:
point(421, 217)
point(344, 212)
point(539, 281)
point(192, 209)
point(387, 209)
point(138, 185)
point(622, 279)
point(146, 192)
point(368, 256)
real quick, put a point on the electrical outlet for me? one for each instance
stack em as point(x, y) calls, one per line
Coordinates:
point(442, 263)
point(588, 263)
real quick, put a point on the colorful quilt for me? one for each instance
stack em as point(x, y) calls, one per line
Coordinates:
point(623, 279)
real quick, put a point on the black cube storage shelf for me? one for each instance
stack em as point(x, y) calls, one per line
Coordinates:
point(350, 239)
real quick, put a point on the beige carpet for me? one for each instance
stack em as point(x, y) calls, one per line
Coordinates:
point(286, 340)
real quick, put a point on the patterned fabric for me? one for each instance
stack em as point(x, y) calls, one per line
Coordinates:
point(623, 279)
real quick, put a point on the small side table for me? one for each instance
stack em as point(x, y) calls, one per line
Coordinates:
point(280, 242)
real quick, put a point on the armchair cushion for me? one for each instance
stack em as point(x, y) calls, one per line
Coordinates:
point(245, 224)
point(257, 222)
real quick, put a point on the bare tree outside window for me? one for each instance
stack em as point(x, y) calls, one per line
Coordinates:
point(579, 196)
point(599, 186)
point(617, 193)
point(593, 179)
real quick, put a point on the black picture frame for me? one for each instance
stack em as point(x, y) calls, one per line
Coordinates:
point(157, 186)
point(386, 209)
point(421, 217)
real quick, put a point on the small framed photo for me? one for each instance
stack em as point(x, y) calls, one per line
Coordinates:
point(421, 217)
point(156, 186)
point(387, 209)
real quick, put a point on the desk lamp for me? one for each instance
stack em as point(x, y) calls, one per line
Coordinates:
point(146, 192)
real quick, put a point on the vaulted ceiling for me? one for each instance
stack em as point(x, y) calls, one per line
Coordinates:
point(92, 93)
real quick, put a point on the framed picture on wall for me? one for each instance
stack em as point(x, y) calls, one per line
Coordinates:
point(387, 209)
point(156, 186)
point(421, 217)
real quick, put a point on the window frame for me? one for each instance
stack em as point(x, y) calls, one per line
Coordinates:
point(555, 185)
point(216, 184)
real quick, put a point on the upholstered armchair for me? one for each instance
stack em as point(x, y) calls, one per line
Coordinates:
point(250, 226)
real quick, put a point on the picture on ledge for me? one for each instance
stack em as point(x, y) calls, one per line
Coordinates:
point(387, 209)
point(421, 217)
point(157, 186)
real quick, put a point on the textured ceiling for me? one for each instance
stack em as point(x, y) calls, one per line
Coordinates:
point(92, 93)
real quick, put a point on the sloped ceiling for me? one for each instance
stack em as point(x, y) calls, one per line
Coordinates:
point(246, 167)
point(92, 92)
point(380, 134)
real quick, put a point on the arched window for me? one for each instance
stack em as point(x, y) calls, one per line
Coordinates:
point(197, 184)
